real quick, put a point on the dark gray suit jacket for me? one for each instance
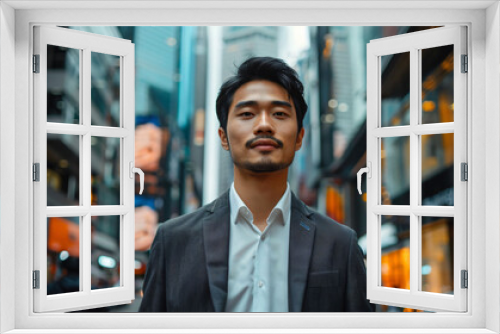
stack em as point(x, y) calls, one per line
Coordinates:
point(188, 264)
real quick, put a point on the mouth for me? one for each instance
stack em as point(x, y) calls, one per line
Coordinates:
point(264, 145)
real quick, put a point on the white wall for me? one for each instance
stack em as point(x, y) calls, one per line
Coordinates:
point(7, 159)
point(492, 149)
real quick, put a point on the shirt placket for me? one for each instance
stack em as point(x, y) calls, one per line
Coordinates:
point(260, 282)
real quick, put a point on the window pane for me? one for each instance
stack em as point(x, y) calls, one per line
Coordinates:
point(63, 255)
point(437, 84)
point(395, 105)
point(437, 254)
point(395, 246)
point(105, 258)
point(395, 168)
point(437, 169)
point(63, 84)
point(105, 89)
point(105, 171)
point(63, 169)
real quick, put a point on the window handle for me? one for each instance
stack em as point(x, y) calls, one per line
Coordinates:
point(138, 171)
point(368, 171)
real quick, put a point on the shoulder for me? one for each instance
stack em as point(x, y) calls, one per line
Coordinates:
point(330, 233)
point(326, 225)
point(185, 222)
point(189, 222)
point(177, 231)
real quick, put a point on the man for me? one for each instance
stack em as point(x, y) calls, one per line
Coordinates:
point(257, 248)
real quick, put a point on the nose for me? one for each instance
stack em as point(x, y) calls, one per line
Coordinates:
point(263, 124)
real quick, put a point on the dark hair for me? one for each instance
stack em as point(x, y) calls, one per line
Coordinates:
point(262, 68)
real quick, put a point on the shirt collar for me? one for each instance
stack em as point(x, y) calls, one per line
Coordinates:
point(238, 207)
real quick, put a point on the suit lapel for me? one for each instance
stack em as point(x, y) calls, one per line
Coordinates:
point(216, 243)
point(302, 230)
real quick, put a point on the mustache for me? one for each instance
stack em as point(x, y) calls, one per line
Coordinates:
point(253, 140)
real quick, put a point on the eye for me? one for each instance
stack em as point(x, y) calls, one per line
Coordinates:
point(246, 114)
point(280, 114)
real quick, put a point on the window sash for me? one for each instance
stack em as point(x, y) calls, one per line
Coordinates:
point(86, 298)
point(414, 298)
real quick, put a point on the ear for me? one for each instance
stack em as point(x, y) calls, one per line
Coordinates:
point(223, 139)
point(298, 142)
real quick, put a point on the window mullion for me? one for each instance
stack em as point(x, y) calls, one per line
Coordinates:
point(81, 175)
point(40, 155)
point(66, 129)
point(392, 210)
point(436, 128)
point(421, 210)
point(96, 210)
point(373, 183)
point(127, 154)
point(109, 210)
point(415, 258)
point(393, 131)
point(460, 155)
point(123, 175)
point(86, 244)
point(110, 132)
point(85, 259)
point(86, 112)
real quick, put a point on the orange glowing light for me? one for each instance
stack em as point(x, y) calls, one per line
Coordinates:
point(428, 106)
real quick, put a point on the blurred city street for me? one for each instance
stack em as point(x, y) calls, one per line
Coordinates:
point(178, 72)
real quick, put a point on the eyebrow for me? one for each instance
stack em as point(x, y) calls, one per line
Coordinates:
point(254, 103)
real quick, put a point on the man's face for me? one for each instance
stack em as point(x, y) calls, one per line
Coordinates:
point(262, 128)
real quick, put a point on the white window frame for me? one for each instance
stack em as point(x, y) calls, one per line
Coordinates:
point(413, 43)
point(16, 215)
point(85, 43)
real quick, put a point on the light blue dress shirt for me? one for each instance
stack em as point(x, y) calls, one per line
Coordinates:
point(258, 261)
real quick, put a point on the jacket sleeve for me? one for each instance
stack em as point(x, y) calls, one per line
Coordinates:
point(356, 280)
point(154, 286)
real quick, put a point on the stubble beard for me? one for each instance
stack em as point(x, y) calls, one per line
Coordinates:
point(265, 165)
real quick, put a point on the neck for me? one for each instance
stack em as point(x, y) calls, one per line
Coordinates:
point(260, 191)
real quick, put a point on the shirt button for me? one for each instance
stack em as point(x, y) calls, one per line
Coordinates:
point(261, 284)
point(262, 237)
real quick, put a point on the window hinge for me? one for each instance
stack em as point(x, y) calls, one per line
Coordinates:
point(465, 171)
point(465, 64)
point(465, 279)
point(36, 63)
point(36, 172)
point(36, 279)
